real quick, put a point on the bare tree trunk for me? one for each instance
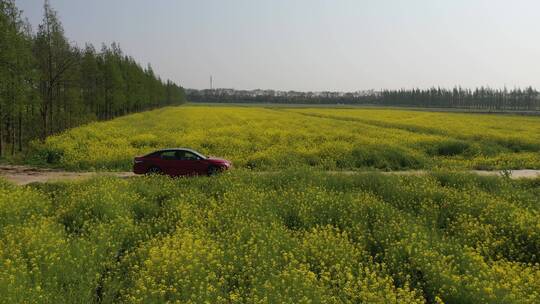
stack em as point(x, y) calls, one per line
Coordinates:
point(13, 140)
point(8, 132)
point(44, 113)
point(1, 137)
point(20, 130)
point(11, 128)
point(50, 80)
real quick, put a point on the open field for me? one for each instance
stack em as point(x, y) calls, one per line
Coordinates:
point(328, 139)
point(302, 226)
point(350, 159)
point(289, 237)
point(368, 106)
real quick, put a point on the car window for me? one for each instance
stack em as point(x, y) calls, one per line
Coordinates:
point(186, 155)
point(190, 156)
point(168, 155)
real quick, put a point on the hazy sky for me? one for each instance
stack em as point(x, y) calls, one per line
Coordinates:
point(316, 45)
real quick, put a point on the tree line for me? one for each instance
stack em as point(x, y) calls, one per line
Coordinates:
point(48, 84)
point(280, 97)
point(480, 98)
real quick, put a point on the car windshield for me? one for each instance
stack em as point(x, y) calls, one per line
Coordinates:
point(198, 154)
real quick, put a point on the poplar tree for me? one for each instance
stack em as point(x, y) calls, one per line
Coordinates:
point(48, 85)
point(54, 56)
point(15, 75)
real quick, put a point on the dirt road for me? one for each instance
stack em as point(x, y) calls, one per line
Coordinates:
point(22, 175)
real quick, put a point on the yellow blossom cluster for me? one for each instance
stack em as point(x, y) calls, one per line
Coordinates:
point(276, 138)
point(298, 236)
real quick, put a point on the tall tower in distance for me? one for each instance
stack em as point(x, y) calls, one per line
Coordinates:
point(211, 83)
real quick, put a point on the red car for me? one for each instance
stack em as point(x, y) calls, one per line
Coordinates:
point(178, 162)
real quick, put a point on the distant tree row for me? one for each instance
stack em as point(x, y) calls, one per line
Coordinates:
point(279, 97)
point(48, 85)
point(481, 98)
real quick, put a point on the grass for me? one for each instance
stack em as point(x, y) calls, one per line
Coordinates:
point(287, 237)
point(329, 139)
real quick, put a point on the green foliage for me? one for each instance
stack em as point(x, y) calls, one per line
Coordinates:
point(48, 85)
point(298, 236)
point(480, 99)
point(448, 148)
point(16, 75)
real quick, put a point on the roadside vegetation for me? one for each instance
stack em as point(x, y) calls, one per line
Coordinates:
point(329, 139)
point(289, 237)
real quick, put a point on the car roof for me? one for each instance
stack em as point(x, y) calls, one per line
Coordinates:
point(176, 149)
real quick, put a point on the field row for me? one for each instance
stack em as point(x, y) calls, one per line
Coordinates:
point(331, 139)
point(291, 237)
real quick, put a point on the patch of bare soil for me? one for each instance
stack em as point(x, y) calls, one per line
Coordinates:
point(515, 174)
point(22, 175)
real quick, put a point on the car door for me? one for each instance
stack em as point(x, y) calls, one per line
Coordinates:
point(192, 164)
point(168, 163)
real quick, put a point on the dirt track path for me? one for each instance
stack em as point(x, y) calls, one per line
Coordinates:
point(22, 175)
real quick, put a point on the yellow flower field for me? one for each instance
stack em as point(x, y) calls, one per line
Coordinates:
point(292, 234)
point(276, 138)
point(289, 237)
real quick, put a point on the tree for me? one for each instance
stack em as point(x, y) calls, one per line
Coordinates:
point(90, 79)
point(54, 56)
point(15, 74)
point(47, 85)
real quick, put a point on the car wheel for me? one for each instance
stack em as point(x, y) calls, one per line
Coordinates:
point(212, 171)
point(154, 171)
